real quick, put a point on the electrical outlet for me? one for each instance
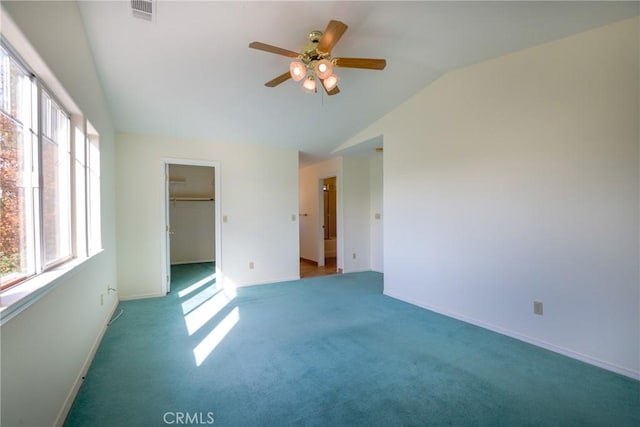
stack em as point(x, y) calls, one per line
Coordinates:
point(224, 218)
point(354, 255)
point(293, 217)
point(251, 265)
point(537, 308)
point(377, 216)
point(101, 300)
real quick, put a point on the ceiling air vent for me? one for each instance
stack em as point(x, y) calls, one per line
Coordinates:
point(142, 9)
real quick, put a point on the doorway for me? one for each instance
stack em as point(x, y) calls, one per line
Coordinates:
point(192, 224)
point(324, 232)
point(330, 222)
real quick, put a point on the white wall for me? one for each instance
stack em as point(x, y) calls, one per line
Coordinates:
point(516, 180)
point(355, 197)
point(258, 198)
point(376, 216)
point(46, 349)
point(310, 194)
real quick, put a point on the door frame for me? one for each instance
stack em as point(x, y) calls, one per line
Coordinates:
point(166, 250)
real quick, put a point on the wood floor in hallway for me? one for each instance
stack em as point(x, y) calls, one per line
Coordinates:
point(310, 268)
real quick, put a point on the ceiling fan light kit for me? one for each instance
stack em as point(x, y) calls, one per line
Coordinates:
point(315, 61)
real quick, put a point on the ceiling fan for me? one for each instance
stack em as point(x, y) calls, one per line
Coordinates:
point(315, 62)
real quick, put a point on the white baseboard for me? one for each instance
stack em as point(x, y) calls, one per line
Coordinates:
point(64, 411)
point(139, 296)
point(345, 271)
point(539, 343)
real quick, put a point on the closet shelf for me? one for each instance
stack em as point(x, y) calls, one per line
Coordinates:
point(177, 180)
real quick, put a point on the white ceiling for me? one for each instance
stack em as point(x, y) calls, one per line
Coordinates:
point(190, 74)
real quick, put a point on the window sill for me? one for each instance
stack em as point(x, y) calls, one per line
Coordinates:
point(18, 298)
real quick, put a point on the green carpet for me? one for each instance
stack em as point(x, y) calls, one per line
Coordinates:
point(330, 351)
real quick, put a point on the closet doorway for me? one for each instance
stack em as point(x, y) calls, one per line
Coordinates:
point(192, 229)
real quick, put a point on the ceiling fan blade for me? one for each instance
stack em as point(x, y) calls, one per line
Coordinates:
point(273, 49)
point(280, 79)
point(331, 35)
point(368, 63)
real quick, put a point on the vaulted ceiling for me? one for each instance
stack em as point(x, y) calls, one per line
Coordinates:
point(189, 73)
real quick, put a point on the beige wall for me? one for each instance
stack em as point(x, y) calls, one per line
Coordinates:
point(258, 198)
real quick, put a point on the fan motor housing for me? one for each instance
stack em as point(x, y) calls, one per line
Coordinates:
point(315, 36)
point(310, 51)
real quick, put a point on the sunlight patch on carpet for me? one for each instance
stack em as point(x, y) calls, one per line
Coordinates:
point(199, 316)
point(186, 291)
point(215, 337)
point(199, 298)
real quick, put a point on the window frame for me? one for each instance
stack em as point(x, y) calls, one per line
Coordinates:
point(19, 293)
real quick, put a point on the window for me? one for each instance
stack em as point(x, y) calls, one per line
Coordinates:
point(49, 187)
point(18, 157)
point(56, 183)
